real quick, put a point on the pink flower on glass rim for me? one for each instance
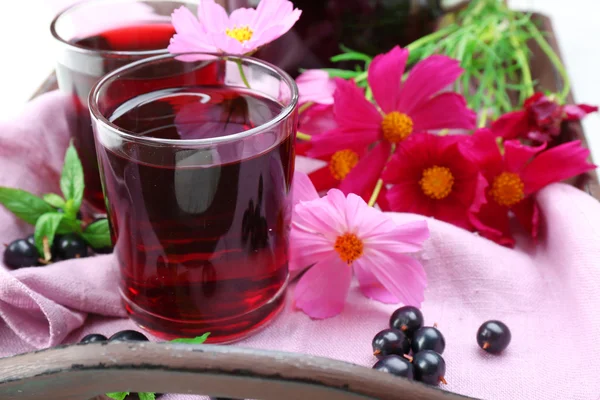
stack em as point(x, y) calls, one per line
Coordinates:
point(403, 108)
point(242, 32)
point(338, 237)
point(515, 176)
point(431, 176)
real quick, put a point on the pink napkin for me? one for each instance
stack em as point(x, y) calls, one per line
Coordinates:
point(547, 294)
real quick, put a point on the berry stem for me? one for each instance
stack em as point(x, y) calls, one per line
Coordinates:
point(486, 345)
point(377, 352)
point(409, 358)
point(443, 380)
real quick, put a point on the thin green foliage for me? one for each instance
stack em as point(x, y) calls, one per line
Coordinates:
point(491, 42)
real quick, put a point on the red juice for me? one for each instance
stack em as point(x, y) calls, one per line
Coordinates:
point(79, 71)
point(200, 235)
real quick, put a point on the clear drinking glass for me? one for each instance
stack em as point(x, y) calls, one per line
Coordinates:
point(196, 160)
point(94, 38)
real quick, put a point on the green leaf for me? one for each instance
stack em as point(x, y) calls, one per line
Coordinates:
point(146, 396)
point(341, 73)
point(97, 234)
point(117, 395)
point(54, 200)
point(353, 56)
point(69, 225)
point(196, 340)
point(71, 180)
point(24, 204)
point(46, 226)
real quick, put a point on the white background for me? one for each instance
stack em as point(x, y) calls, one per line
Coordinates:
point(28, 57)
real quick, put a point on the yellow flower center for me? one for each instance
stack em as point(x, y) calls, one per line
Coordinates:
point(507, 189)
point(349, 247)
point(396, 126)
point(342, 162)
point(437, 182)
point(241, 34)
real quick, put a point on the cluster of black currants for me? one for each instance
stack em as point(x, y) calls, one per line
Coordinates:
point(23, 252)
point(406, 335)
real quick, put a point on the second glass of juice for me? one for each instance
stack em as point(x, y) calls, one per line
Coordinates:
point(196, 154)
point(94, 38)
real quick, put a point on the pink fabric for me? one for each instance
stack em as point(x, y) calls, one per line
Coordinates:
point(548, 295)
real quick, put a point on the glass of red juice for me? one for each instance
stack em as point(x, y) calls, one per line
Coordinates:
point(96, 37)
point(196, 160)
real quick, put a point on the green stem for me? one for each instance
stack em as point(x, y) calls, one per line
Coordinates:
point(303, 136)
point(242, 73)
point(523, 62)
point(304, 106)
point(376, 192)
point(431, 37)
point(547, 49)
point(361, 77)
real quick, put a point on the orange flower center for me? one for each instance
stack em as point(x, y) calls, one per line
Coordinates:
point(437, 182)
point(241, 34)
point(342, 162)
point(349, 247)
point(507, 189)
point(396, 126)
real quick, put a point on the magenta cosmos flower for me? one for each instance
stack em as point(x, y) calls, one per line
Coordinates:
point(431, 176)
point(338, 236)
point(402, 109)
point(242, 32)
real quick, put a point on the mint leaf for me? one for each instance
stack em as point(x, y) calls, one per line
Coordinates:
point(117, 395)
point(196, 340)
point(146, 396)
point(71, 180)
point(97, 234)
point(69, 225)
point(24, 204)
point(54, 200)
point(46, 227)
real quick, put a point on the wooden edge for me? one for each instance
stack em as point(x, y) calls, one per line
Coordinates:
point(84, 371)
point(548, 78)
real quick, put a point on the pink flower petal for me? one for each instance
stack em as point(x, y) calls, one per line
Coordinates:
point(334, 140)
point(364, 176)
point(317, 119)
point(403, 276)
point(555, 165)
point(324, 216)
point(303, 189)
point(528, 214)
point(517, 155)
point(241, 17)
point(427, 78)
point(492, 223)
point(511, 125)
point(213, 17)
point(575, 112)
point(385, 77)
point(190, 36)
point(306, 248)
point(353, 112)
point(365, 221)
point(227, 44)
point(405, 238)
point(370, 285)
point(275, 13)
point(323, 180)
point(482, 148)
point(314, 85)
point(322, 290)
point(444, 111)
point(409, 198)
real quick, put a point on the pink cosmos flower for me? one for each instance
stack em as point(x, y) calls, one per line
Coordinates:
point(315, 86)
point(338, 236)
point(403, 109)
point(242, 32)
point(515, 176)
point(430, 175)
point(540, 120)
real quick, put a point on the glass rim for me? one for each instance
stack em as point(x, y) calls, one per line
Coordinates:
point(87, 50)
point(99, 117)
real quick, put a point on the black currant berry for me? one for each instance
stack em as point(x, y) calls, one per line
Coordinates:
point(429, 367)
point(21, 253)
point(127, 336)
point(69, 246)
point(408, 319)
point(390, 341)
point(493, 336)
point(395, 365)
point(428, 338)
point(93, 338)
point(31, 239)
